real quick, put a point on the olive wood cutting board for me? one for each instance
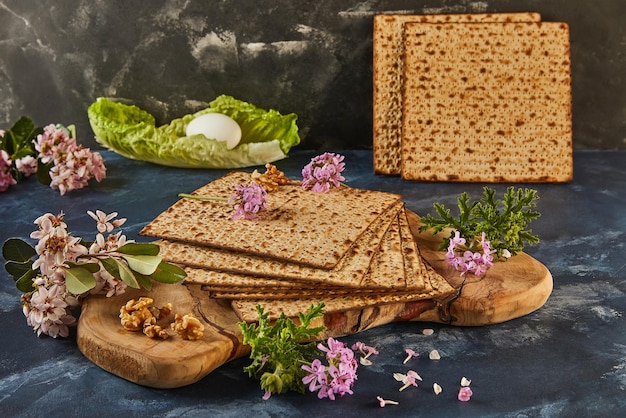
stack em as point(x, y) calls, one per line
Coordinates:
point(508, 290)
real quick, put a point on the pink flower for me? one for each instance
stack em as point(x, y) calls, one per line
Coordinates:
point(408, 379)
point(74, 165)
point(323, 172)
point(465, 393)
point(248, 201)
point(469, 262)
point(47, 309)
point(106, 223)
point(26, 165)
point(384, 402)
point(6, 178)
point(338, 377)
point(409, 355)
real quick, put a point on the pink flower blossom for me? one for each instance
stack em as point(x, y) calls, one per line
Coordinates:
point(469, 262)
point(384, 402)
point(338, 377)
point(26, 165)
point(408, 379)
point(47, 309)
point(409, 355)
point(465, 393)
point(55, 246)
point(248, 201)
point(74, 165)
point(323, 172)
point(106, 223)
point(6, 178)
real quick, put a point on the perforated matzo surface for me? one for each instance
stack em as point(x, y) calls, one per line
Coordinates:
point(488, 102)
point(388, 65)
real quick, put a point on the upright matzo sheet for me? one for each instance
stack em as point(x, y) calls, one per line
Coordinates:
point(240, 268)
point(388, 73)
point(300, 226)
point(487, 102)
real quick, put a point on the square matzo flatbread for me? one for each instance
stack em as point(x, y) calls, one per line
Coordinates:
point(353, 270)
point(388, 73)
point(487, 102)
point(300, 226)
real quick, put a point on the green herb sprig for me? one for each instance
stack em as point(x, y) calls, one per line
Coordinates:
point(279, 350)
point(504, 222)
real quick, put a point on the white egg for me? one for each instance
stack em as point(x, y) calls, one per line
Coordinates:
point(216, 126)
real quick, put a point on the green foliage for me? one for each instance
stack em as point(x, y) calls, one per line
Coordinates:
point(135, 264)
point(279, 350)
point(18, 141)
point(504, 222)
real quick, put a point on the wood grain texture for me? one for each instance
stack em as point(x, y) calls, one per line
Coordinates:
point(509, 290)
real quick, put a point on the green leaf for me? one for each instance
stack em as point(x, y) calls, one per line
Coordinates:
point(90, 267)
point(139, 249)
point(144, 281)
point(143, 264)
point(126, 274)
point(15, 249)
point(17, 141)
point(43, 173)
point(110, 265)
point(17, 269)
point(79, 280)
point(25, 283)
point(168, 273)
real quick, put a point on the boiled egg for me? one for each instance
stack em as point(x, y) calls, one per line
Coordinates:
point(216, 126)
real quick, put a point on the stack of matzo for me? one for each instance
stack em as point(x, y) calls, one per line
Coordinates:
point(478, 97)
point(349, 248)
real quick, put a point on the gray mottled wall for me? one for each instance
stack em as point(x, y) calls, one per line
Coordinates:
point(308, 57)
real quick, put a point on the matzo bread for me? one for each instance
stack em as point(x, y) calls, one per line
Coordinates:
point(350, 271)
point(246, 308)
point(303, 227)
point(487, 102)
point(388, 73)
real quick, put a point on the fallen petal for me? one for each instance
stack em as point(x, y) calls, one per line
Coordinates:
point(465, 381)
point(399, 376)
point(434, 355)
point(365, 362)
point(428, 331)
point(437, 389)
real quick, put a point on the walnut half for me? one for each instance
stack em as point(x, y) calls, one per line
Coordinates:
point(271, 179)
point(188, 326)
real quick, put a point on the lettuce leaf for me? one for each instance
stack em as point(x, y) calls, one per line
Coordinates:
point(267, 136)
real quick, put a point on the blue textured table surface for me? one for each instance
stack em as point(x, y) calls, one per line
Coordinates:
point(566, 359)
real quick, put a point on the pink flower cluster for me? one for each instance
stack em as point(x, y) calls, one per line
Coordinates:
point(48, 307)
point(6, 178)
point(74, 165)
point(248, 201)
point(338, 377)
point(323, 172)
point(469, 261)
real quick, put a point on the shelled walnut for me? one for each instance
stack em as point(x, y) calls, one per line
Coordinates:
point(135, 312)
point(271, 179)
point(153, 330)
point(188, 326)
point(141, 315)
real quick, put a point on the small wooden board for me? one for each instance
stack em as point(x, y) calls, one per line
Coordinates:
point(509, 290)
